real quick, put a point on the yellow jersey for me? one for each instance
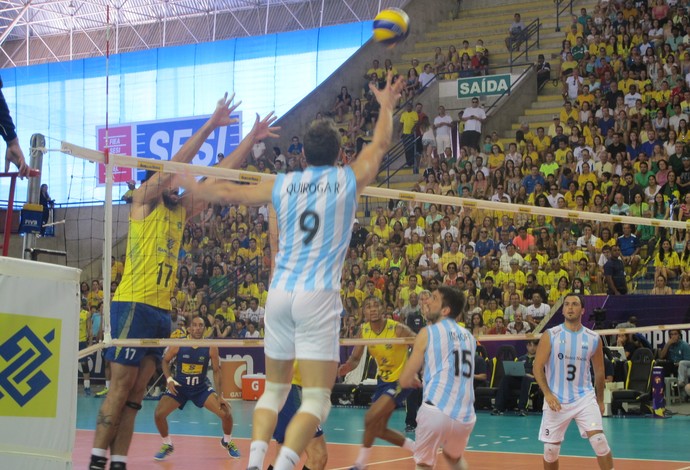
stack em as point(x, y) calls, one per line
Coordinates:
point(153, 245)
point(390, 358)
point(83, 325)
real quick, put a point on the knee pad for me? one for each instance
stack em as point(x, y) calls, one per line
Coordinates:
point(134, 406)
point(316, 401)
point(551, 452)
point(274, 397)
point(600, 444)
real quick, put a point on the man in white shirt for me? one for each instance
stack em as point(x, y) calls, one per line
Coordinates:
point(442, 125)
point(427, 76)
point(473, 118)
point(515, 308)
point(413, 228)
point(537, 311)
point(500, 194)
point(510, 255)
point(518, 326)
point(428, 262)
point(255, 313)
point(573, 84)
point(631, 98)
point(581, 147)
point(674, 120)
point(588, 241)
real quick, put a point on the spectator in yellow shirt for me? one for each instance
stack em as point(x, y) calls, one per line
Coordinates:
point(491, 313)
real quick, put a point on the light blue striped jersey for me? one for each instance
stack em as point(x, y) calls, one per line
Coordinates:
point(567, 370)
point(449, 370)
point(316, 210)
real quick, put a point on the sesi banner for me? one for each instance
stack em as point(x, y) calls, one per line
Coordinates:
point(160, 140)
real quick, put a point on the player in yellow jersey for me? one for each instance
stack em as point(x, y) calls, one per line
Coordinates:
point(141, 304)
point(84, 341)
point(390, 359)
point(317, 452)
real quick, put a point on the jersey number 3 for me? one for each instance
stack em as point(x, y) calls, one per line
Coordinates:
point(309, 222)
point(572, 370)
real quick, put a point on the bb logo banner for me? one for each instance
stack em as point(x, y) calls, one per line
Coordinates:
point(29, 365)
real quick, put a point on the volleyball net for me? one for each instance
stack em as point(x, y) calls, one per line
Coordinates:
point(232, 273)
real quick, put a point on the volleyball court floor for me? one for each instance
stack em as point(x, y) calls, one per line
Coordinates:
point(497, 441)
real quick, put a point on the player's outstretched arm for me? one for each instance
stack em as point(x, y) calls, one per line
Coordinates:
point(367, 164)
point(409, 377)
point(262, 129)
point(226, 192)
point(353, 361)
point(150, 191)
point(543, 353)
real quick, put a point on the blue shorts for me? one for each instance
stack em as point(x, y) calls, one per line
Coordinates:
point(392, 390)
point(197, 394)
point(133, 320)
point(292, 404)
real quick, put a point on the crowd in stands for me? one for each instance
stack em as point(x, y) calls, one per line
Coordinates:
point(619, 146)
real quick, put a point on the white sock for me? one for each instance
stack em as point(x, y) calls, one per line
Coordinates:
point(257, 453)
point(118, 458)
point(363, 457)
point(98, 452)
point(409, 445)
point(227, 437)
point(167, 440)
point(287, 459)
point(87, 384)
point(107, 384)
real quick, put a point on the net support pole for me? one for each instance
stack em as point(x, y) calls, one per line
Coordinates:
point(38, 144)
point(108, 208)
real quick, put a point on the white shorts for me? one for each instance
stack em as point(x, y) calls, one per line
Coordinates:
point(436, 429)
point(584, 411)
point(443, 141)
point(303, 325)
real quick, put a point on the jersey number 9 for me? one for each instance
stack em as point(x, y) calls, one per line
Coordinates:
point(309, 222)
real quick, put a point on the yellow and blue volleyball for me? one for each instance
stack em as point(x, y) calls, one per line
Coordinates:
point(391, 26)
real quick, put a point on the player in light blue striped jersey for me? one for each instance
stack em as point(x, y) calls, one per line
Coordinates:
point(315, 211)
point(562, 370)
point(446, 351)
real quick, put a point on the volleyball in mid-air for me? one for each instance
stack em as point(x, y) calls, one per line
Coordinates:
point(391, 26)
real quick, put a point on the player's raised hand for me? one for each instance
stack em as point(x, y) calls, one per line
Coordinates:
point(224, 108)
point(262, 127)
point(389, 96)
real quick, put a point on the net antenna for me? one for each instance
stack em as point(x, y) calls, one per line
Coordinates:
point(108, 208)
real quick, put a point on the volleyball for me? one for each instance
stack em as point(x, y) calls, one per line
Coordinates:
point(391, 26)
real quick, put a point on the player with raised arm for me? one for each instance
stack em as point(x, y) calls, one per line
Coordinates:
point(190, 383)
point(141, 304)
point(562, 370)
point(445, 351)
point(315, 212)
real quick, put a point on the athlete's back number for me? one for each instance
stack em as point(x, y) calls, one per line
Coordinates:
point(309, 223)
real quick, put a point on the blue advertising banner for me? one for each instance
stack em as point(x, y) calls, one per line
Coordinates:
point(161, 140)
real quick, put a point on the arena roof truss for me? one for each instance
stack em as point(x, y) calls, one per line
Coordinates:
point(40, 31)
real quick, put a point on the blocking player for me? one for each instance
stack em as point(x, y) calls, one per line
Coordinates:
point(190, 383)
point(390, 359)
point(446, 352)
point(141, 304)
point(562, 370)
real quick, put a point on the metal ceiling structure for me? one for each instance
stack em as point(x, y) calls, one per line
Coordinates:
point(40, 31)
